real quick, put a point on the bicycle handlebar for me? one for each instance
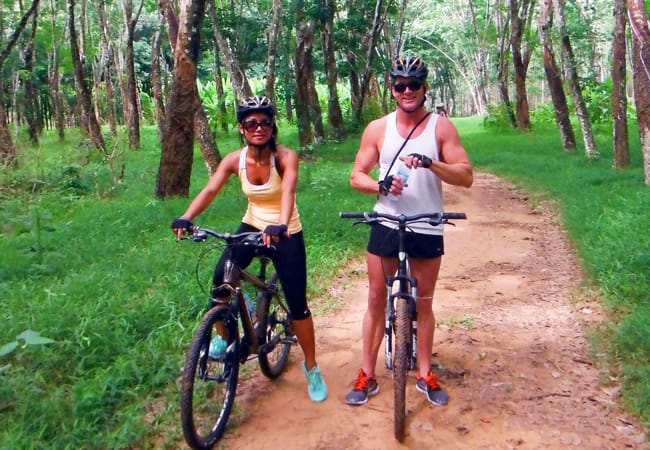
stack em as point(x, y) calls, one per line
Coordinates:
point(253, 238)
point(433, 219)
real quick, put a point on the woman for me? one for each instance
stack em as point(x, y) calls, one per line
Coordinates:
point(268, 174)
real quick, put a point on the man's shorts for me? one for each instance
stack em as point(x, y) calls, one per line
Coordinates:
point(383, 242)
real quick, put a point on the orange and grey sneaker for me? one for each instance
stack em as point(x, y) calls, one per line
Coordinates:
point(364, 387)
point(430, 386)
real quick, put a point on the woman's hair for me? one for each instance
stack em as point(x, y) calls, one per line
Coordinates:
point(258, 104)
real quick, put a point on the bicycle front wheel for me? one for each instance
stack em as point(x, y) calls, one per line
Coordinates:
point(402, 331)
point(276, 331)
point(209, 384)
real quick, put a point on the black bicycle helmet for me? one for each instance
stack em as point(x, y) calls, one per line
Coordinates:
point(255, 104)
point(409, 67)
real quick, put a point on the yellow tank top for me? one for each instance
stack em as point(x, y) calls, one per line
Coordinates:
point(264, 199)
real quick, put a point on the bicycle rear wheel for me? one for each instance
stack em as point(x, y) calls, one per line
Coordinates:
point(402, 332)
point(208, 385)
point(276, 331)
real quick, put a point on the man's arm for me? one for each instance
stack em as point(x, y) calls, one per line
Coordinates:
point(454, 166)
point(367, 158)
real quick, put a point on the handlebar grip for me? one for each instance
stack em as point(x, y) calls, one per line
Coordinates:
point(351, 215)
point(455, 215)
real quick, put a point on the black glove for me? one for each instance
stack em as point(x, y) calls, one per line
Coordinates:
point(182, 222)
point(385, 184)
point(426, 161)
point(276, 230)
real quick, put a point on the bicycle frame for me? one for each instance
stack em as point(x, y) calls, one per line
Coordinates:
point(406, 290)
point(233, 277)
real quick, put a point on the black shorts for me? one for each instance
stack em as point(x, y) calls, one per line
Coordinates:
point(383, 242)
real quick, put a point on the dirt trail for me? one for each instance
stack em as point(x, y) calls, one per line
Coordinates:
point(510, 349)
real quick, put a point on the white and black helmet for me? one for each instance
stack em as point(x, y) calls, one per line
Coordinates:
point(409, 67)
point(255, 104)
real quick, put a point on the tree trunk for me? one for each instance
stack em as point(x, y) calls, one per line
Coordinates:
point(177, 148)
point(54, 80)
point(638, 18)
point(202, 130)
point(218, 77)
point(302, 71)
point(8, 151)
point(89, 120)
point(238, 77)
point(520, 60)
point(333, 105)
point(156, 85)
point(619, 97)
point(31, 100)
point(480, 64)
point(378, 20)
point(574, 82)
point(133, 116)
point(503, 42)
point(272, 34)
point(545, 23)
point(106, 63)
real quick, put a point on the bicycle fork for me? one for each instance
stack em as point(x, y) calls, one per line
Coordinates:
point(390, 322)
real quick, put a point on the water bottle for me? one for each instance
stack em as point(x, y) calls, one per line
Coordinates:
point(251, 307)
point(404, 172)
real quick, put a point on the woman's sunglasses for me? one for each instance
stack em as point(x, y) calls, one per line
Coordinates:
point(252, 125)
point(413, 85)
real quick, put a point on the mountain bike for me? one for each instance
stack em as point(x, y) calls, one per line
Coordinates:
point(209, 382)
point(401, 313)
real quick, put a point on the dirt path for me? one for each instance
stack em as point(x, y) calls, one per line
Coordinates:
point(510, 349)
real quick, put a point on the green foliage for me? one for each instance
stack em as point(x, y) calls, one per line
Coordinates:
point(29, 337)
point(497, 118)
point(598, 100)
point(543, 114)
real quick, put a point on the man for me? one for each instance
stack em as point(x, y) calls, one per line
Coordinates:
point(432, 154)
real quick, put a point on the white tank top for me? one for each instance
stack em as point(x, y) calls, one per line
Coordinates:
point(424, 191)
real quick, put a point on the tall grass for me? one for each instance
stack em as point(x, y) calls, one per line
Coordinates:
point(87, 259)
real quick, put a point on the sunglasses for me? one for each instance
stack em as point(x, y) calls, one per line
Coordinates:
point(413, 85)
point(252, 125)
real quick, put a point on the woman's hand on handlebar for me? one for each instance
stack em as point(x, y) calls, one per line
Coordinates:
point(181, 226)
point(273, 233)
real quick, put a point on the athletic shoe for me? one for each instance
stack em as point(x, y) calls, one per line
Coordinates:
point(217, 347)
point(364, 388)
point(315, 383)
point(429, 385)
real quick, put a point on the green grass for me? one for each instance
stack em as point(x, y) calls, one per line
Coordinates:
point(87, 259)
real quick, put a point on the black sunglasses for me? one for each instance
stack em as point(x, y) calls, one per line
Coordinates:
point(252, 125)
point(413, 85)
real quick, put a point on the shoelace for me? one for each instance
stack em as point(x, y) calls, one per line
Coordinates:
point(432, 381)
point(362, 381)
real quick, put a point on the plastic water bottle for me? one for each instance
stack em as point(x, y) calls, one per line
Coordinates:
point(251, 307)
point(404, 172)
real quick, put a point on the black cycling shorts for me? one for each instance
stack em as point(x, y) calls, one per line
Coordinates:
point(383, 242)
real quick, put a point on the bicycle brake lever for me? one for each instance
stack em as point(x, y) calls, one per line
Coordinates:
point(199, 236)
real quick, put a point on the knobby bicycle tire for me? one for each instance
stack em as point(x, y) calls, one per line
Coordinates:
point(276, 327)
point(402, 332)
point(209, 386)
